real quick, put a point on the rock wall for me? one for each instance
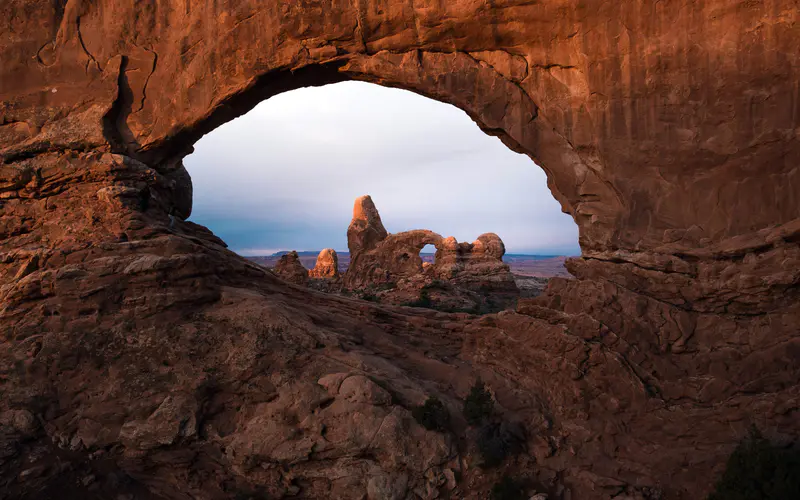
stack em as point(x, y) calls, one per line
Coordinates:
point(141, 346)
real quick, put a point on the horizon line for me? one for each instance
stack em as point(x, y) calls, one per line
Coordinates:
point(250, 252)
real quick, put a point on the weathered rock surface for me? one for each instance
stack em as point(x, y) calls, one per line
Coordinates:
point(157, 363)
point(366, 228)
point(477, 267)
point(291, 269)
point(327, 265)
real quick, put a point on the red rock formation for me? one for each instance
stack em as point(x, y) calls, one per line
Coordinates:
point(478, 267)
point(377, 256)
point(291, 269)
point(327, 265)
point(143, 349)
point(379, 259)
point(366, 228)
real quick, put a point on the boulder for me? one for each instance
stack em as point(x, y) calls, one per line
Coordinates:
point(327, 265)
point(291, 269)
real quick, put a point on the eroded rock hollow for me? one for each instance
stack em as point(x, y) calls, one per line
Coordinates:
point(139, 356)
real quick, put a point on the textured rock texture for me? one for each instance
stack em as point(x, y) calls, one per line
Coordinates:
point(377, 256)
point(327, 265)
point(138, 356)
point(291, 269)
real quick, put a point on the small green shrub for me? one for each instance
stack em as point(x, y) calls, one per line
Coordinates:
point(432, 415)
point(759, 470)
point(508, 489)
point(498, 441)
point(479, 404)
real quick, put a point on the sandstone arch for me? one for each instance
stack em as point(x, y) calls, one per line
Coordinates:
point(532, 86)
point(667, 129)
point(464, 276)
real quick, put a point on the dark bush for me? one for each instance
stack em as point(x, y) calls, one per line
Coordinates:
point(436, 284)
point(249, 494)
point(479, 404)
point(508, 489)
point(432, 415)
point(759, 470)
point(370, 297)
point(499, 440)
point(424, 300)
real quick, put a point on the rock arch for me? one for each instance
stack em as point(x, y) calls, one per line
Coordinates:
point(148, 80)
point(471, 274)
point(667, 129)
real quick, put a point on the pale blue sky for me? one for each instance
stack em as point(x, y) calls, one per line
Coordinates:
point(285, 175)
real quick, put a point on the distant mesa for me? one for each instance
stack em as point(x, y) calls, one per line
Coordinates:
point(299, 253)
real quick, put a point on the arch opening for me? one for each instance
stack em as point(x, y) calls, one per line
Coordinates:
point(294, 164)
point(428, 254)
point(481, 88)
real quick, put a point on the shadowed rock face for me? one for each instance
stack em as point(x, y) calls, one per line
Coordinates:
point(291, 269)
point(143, 347)
point(478, 267)
point(380, 260)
